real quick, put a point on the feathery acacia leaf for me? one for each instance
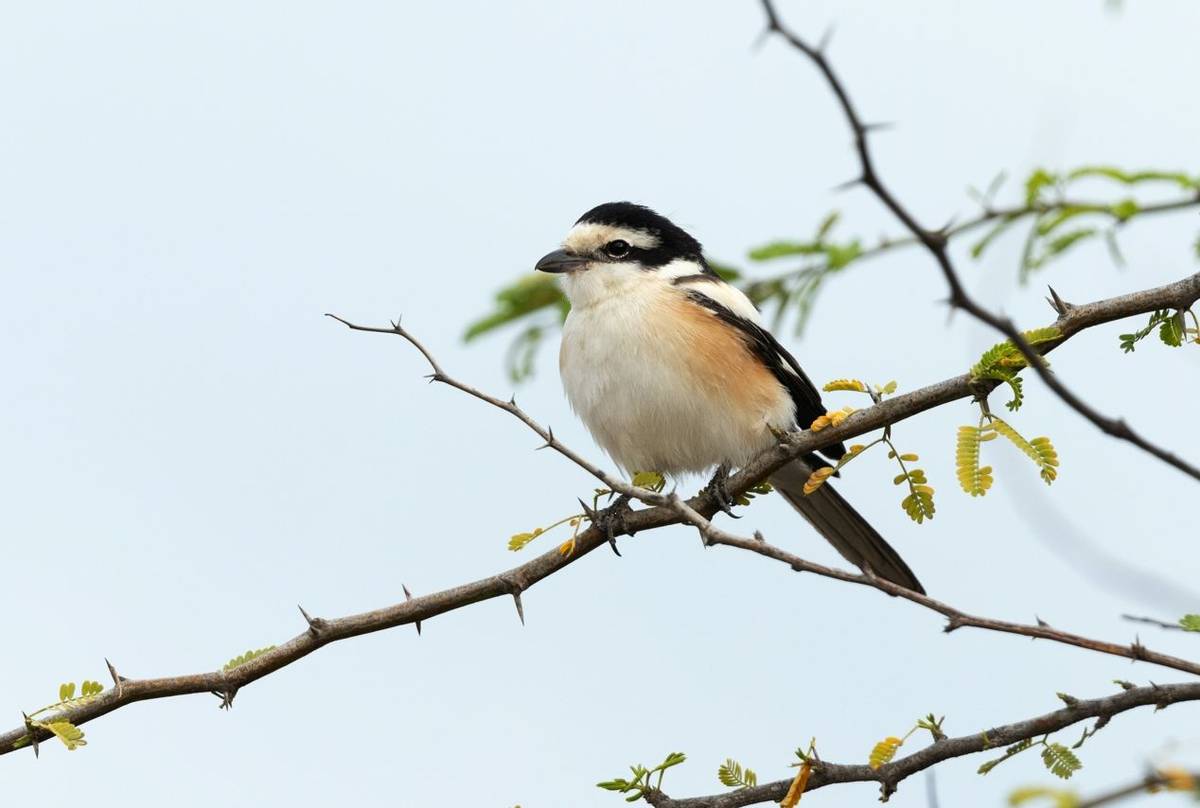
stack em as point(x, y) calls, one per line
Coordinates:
point(831, 418)
point(242, 659)
point(974, 479)
point(1015, 749)
point(1040, 450)
point(1060, 761)
point(1004, 360)
point(848, 385)
point(817, 479)
point(65, 731)
point(1157, 319)
point(732, 775)
point(884, 751)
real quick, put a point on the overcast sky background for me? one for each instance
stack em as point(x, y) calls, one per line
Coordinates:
point(188, 448)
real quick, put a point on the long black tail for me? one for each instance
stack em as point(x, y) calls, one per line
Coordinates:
point(842, 526)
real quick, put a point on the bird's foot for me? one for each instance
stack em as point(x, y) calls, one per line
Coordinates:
point(719, 489)
point(611, 520)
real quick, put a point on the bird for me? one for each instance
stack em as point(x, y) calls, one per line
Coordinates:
point(672, 370)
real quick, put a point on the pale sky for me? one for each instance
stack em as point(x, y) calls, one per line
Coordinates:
point(188, 449)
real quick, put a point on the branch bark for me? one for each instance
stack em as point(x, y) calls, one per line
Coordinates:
point(890, 774)
point(664, 511)
point(936, 242)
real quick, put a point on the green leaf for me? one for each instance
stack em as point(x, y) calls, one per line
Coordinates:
point(919, 504)
point(650, 479)
point(66, 691)
point(1003, 361)
point(973, 478)
point(784, 249)
point(1190, 622)
point(529, 293)
point(1040, 450)
point(1060, 761)
point(615, 785)
point(841, 255)
point(978, 248)
point(238, 661)
point(1180, 178)
point(1125, 210)
point(1129, 341)
point(1038, 181)
point(1015, 749)
point(65, 731)
point(672, 759)
point(1171, 330)
point(1056, 246)
point(732, 775)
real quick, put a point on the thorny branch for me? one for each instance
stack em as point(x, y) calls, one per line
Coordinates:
point(936, 242)
point(666, 510)
point(956, 619)
point(890, 774)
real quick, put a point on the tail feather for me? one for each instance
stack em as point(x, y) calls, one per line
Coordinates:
point(842, 526)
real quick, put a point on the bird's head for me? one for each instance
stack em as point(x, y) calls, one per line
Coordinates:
point(617, 247)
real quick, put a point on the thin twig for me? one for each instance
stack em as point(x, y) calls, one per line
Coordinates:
point(1153, 622)
point(511, 583)
point(1151, 782)
point(956, 618)
point(890, 774)
point(936, 241)
point(990, 214)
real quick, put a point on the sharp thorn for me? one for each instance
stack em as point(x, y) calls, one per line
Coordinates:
point(826, 38)
point(1041, 622)
point(758, 536)
point(512, 400)
point(315, 624)
point(33, 741)
point(589, 512)
point(1057, 303)
point(848, 184)
point(761, 39)
point(118, 682)
point(408, 596)
point(516, 596)
point(878, 126)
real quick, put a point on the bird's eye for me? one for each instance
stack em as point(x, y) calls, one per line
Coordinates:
point(616, 249)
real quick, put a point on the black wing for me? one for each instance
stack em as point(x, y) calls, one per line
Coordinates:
point(779, 361)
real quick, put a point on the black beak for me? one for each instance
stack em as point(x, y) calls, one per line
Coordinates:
point(561, 261)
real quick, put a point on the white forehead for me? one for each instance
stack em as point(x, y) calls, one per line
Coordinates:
point(587, 237)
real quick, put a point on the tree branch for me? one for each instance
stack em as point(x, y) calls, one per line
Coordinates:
point(890, 774)
point(665, 511)
point(991, 214)
point(956, 618)
point(935, 241)
point(1151, 782)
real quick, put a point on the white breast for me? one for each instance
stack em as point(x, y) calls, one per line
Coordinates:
point(657, 380)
